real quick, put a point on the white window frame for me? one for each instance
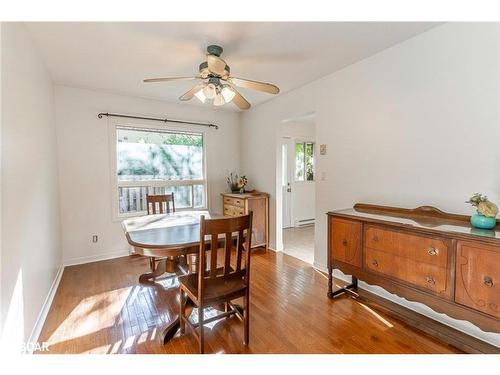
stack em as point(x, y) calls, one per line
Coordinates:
point(152, 126)
point(303, 140)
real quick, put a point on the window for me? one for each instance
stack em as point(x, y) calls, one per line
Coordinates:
point(152, 161)
point(304, 161)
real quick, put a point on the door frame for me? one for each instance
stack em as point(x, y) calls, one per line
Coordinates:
point(290, 164)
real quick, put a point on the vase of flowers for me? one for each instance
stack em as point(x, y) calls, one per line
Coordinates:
point(485, 216)
point(237, 183)
point(243, 181)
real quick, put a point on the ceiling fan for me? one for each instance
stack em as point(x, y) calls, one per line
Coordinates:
point(215, 83)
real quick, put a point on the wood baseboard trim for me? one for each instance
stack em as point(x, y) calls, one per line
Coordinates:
point(447, 334)
point(44, 311)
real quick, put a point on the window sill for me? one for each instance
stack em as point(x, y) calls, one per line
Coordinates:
point(121, 217)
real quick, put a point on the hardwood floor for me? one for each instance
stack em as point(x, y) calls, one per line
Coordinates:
point(101, 308)
point(299, 243)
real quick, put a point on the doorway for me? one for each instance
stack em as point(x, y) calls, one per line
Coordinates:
point(297, 185)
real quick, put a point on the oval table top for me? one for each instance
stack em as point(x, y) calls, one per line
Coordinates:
point(165, 231)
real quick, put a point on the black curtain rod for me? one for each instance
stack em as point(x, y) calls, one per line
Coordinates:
point(159, 119)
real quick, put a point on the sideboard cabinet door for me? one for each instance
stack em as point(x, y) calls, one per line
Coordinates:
point(345, 241)
point(478, 277)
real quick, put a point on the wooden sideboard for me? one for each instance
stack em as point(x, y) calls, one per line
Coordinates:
point(421, 254)
point(242, 204)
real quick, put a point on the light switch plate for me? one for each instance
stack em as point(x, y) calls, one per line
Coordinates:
point(322, 149)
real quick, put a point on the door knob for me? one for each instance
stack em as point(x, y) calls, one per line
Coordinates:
point(374, 262)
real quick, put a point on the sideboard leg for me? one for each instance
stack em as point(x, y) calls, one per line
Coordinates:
point(355, 283)
point(330, 282)
point(346, 289)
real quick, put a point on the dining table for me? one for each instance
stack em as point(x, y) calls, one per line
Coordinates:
point(174, 238)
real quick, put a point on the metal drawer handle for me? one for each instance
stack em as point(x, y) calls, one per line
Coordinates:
point(374, 262)
point(375, 238)
point(488, 281)
point(430, 280)
point(432, 251)
point(344, 242)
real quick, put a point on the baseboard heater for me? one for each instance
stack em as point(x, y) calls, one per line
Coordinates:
point(304, 222)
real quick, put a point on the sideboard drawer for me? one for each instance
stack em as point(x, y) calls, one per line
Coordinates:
point(230, 210)
point(411, 246)
point(422, 275)
point(345, 241)
point(478, 277)
point(234, 202)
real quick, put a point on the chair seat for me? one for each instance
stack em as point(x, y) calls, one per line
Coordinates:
point(214, 289)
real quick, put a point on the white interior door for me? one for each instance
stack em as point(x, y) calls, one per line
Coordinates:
point(286, 185)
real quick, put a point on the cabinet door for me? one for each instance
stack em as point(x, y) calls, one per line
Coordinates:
point(478, 277)
point(345, 241)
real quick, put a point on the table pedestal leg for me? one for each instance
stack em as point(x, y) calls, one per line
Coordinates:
point(159, 270)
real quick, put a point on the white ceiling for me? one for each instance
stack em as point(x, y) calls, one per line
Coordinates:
point(116, 57)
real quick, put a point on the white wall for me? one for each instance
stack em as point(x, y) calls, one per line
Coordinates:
point(415, 124)
point(30, 249)
point(85, 176)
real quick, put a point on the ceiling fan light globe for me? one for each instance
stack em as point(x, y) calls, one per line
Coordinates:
point(228, 93)
point(201, 95)
point(209, 91)
point(219, 100)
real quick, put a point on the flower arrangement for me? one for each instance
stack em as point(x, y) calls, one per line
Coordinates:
point(483, 205)
point(485, 218)
point(242, 183)
point(237, 183)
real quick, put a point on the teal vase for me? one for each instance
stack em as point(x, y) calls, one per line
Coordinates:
point(483, 222)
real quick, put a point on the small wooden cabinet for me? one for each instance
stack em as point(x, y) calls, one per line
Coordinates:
point(421, 254)
point(242, 204)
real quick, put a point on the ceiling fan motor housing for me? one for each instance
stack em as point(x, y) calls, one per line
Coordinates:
point(204, 67)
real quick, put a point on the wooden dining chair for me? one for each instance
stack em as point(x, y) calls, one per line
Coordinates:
point(159, 204)
point(216, 284)
point(155, 204)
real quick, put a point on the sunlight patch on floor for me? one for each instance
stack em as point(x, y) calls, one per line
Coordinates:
point(376, 315)
point(320, 273)
point(104, 349)
point(92, 314)
point(116, 347)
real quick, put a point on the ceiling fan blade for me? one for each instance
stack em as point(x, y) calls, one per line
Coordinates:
point(255, 85)
point(150, 80)
point(240, 101)
point(189, 95)
point(216, 65)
